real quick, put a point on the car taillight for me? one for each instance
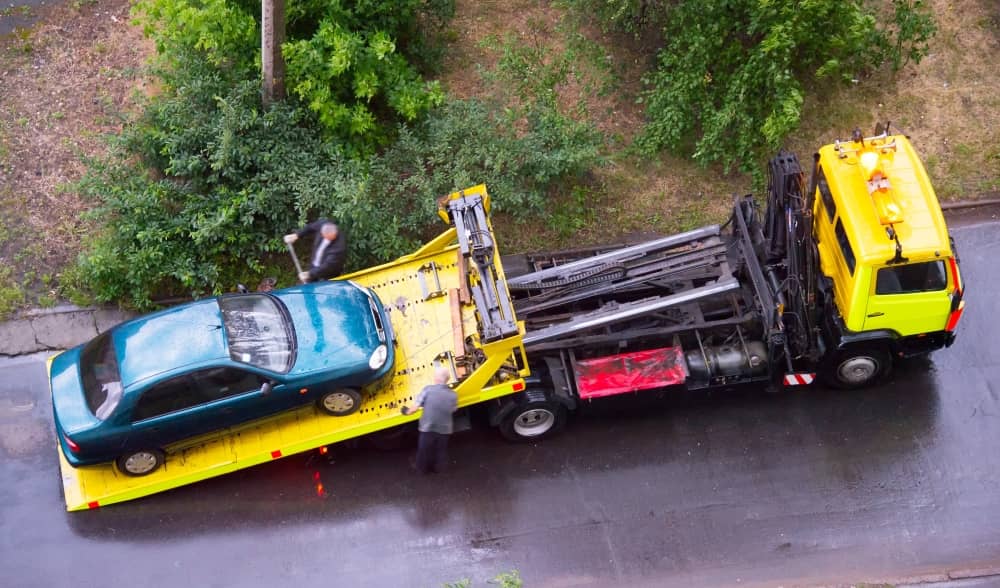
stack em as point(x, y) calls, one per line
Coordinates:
point(71, 444)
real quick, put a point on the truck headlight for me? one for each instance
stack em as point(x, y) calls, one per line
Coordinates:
point(378, 357)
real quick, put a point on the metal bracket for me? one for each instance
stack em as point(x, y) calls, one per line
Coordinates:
point(432, 269)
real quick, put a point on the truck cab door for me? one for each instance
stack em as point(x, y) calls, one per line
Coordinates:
point(909, 299)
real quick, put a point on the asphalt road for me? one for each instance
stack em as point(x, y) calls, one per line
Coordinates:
point(738, 489)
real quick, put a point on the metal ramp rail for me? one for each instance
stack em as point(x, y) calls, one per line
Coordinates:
point(434, 321)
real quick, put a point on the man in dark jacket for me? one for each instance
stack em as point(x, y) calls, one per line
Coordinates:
point(329, 250)
point(437, 401)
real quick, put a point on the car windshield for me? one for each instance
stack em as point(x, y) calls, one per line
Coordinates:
point(258, 331)
point(102, 386)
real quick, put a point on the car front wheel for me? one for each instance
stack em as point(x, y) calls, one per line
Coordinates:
point(140, 463)
point(340, 402)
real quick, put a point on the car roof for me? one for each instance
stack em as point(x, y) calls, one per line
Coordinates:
point(164, 341)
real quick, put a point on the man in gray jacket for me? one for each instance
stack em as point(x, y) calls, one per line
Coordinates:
point(438, 403)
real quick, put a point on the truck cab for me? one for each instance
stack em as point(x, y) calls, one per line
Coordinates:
point(883, 247)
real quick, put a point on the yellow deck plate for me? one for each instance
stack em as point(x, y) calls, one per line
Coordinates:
point(423, 330)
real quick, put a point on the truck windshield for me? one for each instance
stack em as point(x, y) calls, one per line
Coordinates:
point(258, 331)
point(102, 386)
point(926, 276)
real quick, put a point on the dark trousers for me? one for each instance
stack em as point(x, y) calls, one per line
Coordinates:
point(432, 452)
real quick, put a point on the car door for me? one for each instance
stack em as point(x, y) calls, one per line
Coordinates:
point(194, 404)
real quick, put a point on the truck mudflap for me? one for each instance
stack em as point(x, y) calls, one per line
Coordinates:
point(630, 372)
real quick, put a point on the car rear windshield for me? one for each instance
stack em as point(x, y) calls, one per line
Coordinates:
point(914, 277)
point(102, 384)
point(258, 331)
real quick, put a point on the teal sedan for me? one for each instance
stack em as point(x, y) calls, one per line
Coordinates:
point(216, 363)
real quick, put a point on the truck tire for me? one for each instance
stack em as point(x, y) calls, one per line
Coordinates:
point(857, 367)
point(533, 421)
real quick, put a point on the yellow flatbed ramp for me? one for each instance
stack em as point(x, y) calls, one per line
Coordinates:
point(434, 320)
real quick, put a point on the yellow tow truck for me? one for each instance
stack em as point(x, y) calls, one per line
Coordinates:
point(835, 278)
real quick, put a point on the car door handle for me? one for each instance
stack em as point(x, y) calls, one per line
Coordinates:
point(875, 314)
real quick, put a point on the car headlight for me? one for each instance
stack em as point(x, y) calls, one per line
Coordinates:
point(378, 357)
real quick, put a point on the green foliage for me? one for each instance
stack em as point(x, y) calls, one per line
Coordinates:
point(631, 16)
point(229, 178)
point(464, 143)
point(729, 85)
point(352, 64)
point(911, 30)
point(224, 32)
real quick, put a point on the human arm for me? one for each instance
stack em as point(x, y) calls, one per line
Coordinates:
point(418, 403)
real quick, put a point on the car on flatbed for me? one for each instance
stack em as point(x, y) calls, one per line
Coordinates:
point(216, 363)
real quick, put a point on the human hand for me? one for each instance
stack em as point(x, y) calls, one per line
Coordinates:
point(291, 238)
point(304, 277)
point(405, 410)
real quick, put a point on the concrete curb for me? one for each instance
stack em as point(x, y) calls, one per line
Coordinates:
point(55, 329)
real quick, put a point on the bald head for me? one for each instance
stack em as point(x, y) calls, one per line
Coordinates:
point(441, 375)
point(329, 231)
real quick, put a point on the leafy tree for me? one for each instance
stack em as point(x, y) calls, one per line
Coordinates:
point(352, 63)
point(729, 83)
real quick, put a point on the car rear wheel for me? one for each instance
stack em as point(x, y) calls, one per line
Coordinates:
point(340, 402)
point(140, 463)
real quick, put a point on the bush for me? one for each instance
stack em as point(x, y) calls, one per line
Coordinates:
point(729, 85)
point(352, 64)
point(229, 178)
point(227, 181)
point(464, 143)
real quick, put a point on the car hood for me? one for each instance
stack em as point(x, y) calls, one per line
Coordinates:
point(334, 326)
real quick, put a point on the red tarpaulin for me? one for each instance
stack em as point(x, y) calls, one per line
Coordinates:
point(628, 372)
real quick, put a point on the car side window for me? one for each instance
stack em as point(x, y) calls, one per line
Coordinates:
point(218, 383)
point(825, 195)
point(190, 390)
point(173, 395)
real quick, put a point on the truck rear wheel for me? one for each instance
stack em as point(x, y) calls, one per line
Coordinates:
point(533, 420)
point(857, 367)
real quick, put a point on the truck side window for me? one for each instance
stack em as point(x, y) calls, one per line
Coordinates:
point(845, 246)
point(824, 192)
point(927, 276)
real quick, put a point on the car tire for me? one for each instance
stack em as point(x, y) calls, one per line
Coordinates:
point(857, 367)
point(340, 401)
point(533, 421)
point(140, 463)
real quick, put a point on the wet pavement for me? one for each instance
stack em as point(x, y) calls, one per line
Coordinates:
point(736, 489)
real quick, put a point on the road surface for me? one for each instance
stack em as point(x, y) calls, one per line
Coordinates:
point(743, 489)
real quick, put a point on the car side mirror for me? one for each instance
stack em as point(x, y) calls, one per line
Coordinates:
point(266, 387)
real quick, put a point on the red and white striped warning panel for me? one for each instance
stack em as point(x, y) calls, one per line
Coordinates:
point(799, 379)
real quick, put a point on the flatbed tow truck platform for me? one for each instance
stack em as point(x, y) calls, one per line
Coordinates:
point(448, 305)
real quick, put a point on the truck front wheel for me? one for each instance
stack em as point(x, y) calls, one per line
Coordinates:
point(857, 367)
point(532, 421)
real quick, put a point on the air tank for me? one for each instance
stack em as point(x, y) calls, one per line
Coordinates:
point(727, 360)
